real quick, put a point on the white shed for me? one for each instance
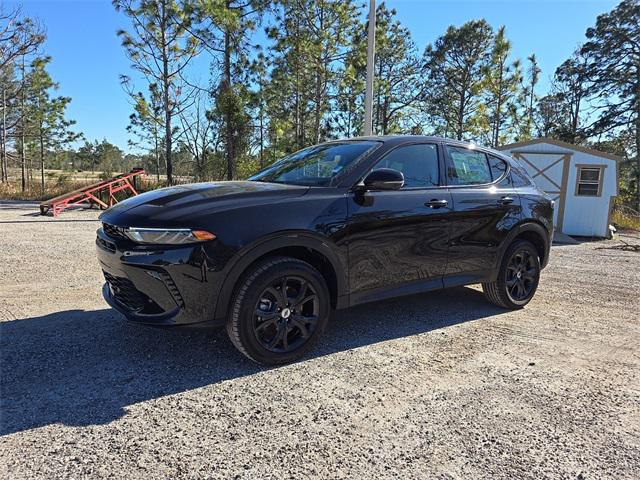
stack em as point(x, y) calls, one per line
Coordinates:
point(582, 181)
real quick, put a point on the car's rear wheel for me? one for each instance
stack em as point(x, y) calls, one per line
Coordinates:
point(518, 277)
point(279, 310)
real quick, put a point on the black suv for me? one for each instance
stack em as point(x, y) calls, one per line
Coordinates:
point(328, 227)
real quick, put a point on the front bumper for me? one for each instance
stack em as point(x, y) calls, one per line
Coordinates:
point(164, 318)
point(163, 286)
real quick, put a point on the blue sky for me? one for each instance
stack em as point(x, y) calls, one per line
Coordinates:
point(88, 58)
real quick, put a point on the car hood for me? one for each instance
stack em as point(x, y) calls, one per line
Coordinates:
point(172, 205)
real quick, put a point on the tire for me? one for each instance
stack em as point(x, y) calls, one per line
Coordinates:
point(522, 257)
point(271, 328)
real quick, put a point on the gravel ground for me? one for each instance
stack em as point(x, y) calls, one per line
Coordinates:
point(437, 385)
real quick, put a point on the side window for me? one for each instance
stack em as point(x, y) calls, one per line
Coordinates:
point(498, 168)
point(418, 163)
point(467, 167)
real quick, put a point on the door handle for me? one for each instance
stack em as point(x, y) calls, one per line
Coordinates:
point(506, 201)
point(435, 203)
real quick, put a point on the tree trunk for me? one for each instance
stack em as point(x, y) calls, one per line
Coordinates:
point(156, 153)
point(498, 119)
point(385, 114)
point(3, 151)
point(23, 157)
point(318, 86)
point(318, 103)
point(261, 135)
point(167, 130)
point(575, 117)
point(227, 92)
point(2, 155)
point(638, 156)
point(460, 119)
point(299, 120)
point(531, 98)
point(41, 162)
point(165, 94)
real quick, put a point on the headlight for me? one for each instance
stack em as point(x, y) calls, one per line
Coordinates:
point(168, 236)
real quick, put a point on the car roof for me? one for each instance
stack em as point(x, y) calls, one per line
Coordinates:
point(399, 139)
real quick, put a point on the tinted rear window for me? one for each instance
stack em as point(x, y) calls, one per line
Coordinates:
point(467, 167)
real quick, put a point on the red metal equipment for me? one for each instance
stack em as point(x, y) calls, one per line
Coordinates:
point(94, 194)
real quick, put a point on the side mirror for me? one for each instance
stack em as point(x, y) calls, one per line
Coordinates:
point(384, 179)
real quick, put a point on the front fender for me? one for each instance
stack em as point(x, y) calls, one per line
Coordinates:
point(248, 255)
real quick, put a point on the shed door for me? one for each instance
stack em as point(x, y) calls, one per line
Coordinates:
point(547, 169)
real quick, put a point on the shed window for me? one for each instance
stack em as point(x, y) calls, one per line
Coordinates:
point(589, 182)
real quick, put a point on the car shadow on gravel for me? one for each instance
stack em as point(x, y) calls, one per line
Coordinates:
point(83, 368)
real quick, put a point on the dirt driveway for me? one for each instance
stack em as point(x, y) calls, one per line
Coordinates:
point(437, 385)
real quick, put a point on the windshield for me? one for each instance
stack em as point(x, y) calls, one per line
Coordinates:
point(315, 166)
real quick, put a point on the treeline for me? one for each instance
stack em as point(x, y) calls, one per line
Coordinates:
point(305, 84)
point(285, 74)
point(33, 118)
point(35, 133)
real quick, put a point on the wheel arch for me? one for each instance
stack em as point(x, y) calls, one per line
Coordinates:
point(301, 245)
point(533, 232)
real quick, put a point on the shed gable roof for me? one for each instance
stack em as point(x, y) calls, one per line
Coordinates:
point(561, 144)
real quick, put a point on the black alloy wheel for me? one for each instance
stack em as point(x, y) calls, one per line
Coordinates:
point(522, 275)
point(280, 309)
point(518, 277)
point(286, 314)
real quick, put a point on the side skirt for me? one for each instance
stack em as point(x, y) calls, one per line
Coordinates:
point(410, 288)
point(413, 288)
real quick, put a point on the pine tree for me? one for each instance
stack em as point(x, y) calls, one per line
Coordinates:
point(530, 97)
point(160, 47)
point(571, 89)
point(225, 28)
point(311, 39)
point(146, 122)
point(347, 116)
point(503, 91)
point(398, 84)
point(612, 54)
point(454, 69)
point(20, 37)
point(49, 127)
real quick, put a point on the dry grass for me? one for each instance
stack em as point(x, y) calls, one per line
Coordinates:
point(626, 220)
point(13, 190)
point(58, 182)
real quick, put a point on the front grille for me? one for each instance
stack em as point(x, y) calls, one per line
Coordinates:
point(126, 293)
point(114, 231)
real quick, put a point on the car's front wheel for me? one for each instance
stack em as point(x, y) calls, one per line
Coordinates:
point(279, 310)
point(518, 277)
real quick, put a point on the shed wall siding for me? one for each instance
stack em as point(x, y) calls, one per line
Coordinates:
point(589, 216)
point(584, 216)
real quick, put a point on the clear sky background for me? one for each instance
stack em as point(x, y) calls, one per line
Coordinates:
point(88, 59)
